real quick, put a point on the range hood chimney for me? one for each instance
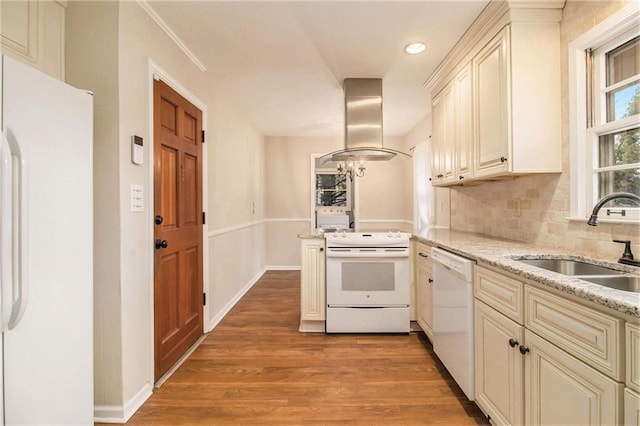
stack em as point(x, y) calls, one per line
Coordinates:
point(363, 131)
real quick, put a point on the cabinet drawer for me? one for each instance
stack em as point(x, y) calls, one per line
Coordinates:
point(633, 356)
point(423, 255)
point(500, 292)
point(587, 334)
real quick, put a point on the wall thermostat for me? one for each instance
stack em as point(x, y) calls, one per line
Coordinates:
point(137, 153)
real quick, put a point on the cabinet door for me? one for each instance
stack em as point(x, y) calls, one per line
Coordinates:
point(443, 139)
point(491, 102)
point(425, 292)
point(463, 126)
point(562, 390)
point(631, 408)
point(498, 365)
point(312, 281)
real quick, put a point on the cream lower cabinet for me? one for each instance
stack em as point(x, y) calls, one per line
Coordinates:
point(542, 359)
point(632, 381)
point(499, 333)
point(631, 408)
point(312, 285)
point(561, 390)
point(424, 285)
point(499, 365)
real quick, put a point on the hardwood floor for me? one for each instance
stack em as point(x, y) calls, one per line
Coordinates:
point(256, 368)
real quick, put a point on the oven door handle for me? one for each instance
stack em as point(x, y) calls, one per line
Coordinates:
point(333, 253)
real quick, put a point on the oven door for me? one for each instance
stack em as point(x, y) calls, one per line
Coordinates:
point(364, 277)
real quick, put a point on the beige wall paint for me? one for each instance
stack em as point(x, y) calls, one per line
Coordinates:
point(490, 208)
point(109, 46)
point(92, 63)
point(383, 200)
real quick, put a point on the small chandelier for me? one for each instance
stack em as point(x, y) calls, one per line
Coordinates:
point(349, 169)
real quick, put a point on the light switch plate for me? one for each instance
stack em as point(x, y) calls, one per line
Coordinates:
point(136, 193)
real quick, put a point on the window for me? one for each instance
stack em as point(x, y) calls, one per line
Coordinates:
point(605, 117)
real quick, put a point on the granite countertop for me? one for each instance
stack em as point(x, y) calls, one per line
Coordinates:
point(502, 254)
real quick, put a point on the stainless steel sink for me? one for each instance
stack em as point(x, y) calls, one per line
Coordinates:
point(624, 282)
point(570, 267)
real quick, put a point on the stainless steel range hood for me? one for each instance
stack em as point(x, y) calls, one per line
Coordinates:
point(363, 131)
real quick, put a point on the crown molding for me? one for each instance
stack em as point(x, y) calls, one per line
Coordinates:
point(494, 17)
point(172, 35)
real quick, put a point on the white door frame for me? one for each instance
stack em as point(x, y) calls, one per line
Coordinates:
point(155, 72)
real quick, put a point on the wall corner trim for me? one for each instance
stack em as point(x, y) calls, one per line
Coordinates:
point(121, 414)
point(172, 35)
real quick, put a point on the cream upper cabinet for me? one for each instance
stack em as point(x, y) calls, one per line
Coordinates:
point(505, 75)
point(33, 32)
point(452, 136)
point(490, 107)
point(463, 130)
point(312, 285)
point(424, 285)
point(443, 138)
point(516, 104)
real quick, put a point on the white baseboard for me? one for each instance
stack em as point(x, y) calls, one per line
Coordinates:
point(283, 267)
point(121, 414)
point(224, 311)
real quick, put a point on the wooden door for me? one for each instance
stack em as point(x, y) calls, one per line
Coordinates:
point(178, 292)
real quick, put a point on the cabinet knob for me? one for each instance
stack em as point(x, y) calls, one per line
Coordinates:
point(440, 175)
point(460, 177)
point(524, 350)
point(430, 280)
point(158, 220)
point(161, 244)
point(513, 343)
point(503, 159)
point(321, 248)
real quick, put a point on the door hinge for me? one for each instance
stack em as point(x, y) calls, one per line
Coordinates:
point(204, 218)
point(203, 136)
point(204, 299)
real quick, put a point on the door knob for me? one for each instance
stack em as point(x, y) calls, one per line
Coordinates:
point(159, 219)
point(161, 244)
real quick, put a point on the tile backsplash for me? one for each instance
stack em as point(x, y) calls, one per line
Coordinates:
point(535, 208)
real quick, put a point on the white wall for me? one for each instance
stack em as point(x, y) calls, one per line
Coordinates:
point(109, 46)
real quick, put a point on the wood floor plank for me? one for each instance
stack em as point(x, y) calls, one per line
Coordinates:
point(257, 368)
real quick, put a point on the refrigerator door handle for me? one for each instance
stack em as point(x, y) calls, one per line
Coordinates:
point(6, 233)
point(20, 280)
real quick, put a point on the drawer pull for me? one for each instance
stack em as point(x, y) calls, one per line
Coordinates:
point(421, 254)
point(513, 343)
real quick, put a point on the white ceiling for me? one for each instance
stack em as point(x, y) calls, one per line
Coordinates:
point(283, 63)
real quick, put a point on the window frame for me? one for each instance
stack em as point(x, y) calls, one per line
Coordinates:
point(614, 31)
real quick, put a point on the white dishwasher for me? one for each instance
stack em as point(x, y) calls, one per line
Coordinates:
point(453, 316)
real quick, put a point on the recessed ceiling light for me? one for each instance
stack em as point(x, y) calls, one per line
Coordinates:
point(415, 48)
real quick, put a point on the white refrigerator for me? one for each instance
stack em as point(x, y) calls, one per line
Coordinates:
point(46, 250)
